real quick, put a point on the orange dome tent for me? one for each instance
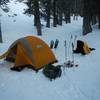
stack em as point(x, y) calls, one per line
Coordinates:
point(30, 51)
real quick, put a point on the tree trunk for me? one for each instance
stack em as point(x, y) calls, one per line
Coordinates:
point(37, 22)
point(86, 25)
point(54, 14)
point(75, 17)
point(57, 15)
point(48, 13)
point(60, 17)
point(0, 34)
point(99, 21)
point(94, 21)
point(67, 18)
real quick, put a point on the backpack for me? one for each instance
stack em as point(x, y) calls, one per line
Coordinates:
point(52, 72)
point(83, 48)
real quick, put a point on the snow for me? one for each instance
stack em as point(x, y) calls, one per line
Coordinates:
point(80, 83)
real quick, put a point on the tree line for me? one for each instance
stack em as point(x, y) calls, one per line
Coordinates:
point(62, 10)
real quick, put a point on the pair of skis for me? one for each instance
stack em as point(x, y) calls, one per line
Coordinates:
point(69, 55)
point(54, 44)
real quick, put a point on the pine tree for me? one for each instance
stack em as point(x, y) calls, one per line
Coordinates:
point(91, 10)
point(54, 8)
point(48, 11)
point(6, 9)
point(33, 9)
point(87, 17)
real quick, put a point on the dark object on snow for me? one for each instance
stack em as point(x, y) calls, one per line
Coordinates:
point(70, 64)
point(15, 14)
point(79, 48)
point(92, 49)
point(56, 43)
point(82, 48)
point(52, 72)
point(18, 69)
point(51, 44)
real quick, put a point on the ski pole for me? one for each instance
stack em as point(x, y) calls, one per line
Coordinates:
point(75, 40)
point(73, 53)
point(65, 45)
point(69, 48)
point(65, 50)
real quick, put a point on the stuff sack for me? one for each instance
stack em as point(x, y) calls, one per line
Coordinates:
point(83, 48)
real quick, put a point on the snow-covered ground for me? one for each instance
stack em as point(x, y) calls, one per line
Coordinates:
point(80, 83)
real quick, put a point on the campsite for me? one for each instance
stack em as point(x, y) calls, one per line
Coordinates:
point(24, 55)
